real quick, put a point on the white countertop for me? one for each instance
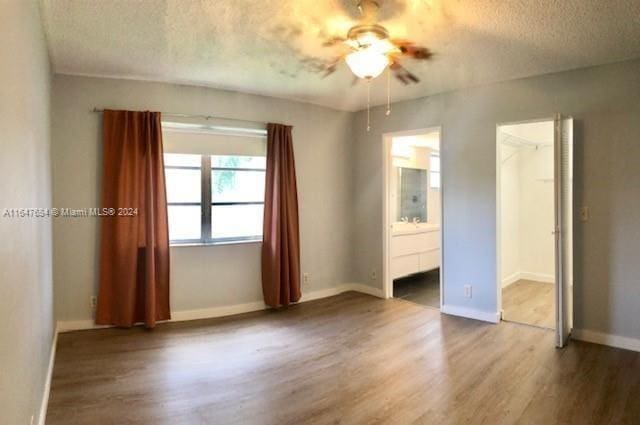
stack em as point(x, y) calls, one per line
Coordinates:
point(400, 228)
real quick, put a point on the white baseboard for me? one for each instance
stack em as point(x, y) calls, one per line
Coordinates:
point(606, 339)
point(512, 278)
point(345, 287)
point(47, 383)
point(469, 313)
point(365, 289)
point(209, 313)
point(78, 325)
point(538, 277)
point(322, 293)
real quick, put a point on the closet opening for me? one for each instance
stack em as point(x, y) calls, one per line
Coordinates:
point(413, 217)
point(527, 223)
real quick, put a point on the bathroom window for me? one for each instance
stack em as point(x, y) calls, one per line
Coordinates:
point(434, 171)
point(214, 198)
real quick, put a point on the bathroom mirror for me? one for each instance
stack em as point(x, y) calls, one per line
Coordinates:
point(412, 194)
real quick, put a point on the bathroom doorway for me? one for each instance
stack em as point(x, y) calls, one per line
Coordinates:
point(413, 217)
point(534, 210)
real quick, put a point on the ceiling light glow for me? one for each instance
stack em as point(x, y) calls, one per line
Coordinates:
point(369, 57)
point(367, 63)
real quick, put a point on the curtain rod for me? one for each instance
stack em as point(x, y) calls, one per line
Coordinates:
point(206, 117)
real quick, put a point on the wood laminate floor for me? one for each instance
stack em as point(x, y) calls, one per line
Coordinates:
point(420, 288)
point(531, 303)
point(349, 359)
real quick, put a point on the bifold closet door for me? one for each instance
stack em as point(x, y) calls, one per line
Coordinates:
point(563, 150)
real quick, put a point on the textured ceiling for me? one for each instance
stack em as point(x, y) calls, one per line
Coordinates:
point(272, 47)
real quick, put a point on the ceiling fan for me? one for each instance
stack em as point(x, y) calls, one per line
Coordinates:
point(369, 50)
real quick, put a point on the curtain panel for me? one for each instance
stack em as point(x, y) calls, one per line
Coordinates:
point(134, 243)
point(281, 237)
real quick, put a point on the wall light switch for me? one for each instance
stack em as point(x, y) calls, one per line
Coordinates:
point(584, 214)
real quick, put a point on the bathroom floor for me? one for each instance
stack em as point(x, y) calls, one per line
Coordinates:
point(420, 288)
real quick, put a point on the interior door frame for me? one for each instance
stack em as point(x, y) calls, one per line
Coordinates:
point(387, 281)
point(498, 210)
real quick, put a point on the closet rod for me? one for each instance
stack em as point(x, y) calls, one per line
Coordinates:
point(206, 117)
point(511, 140)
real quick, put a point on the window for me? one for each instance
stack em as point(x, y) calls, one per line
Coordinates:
point(434, 171)
point(183, 174)
point(214, 198)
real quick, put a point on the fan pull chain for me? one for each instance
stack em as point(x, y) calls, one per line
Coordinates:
point(388, 92)
point(368, 104)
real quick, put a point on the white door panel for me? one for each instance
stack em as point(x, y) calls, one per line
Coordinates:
point(563, 145)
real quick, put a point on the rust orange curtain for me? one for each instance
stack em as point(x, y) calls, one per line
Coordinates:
point(281, 237)
point(134, 244)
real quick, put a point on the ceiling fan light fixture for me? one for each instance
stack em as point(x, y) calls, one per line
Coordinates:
point(367, 63)
point(371, 46)
point(368, 50)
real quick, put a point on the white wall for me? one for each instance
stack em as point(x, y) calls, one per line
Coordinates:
point(510, 213)
point(537, 221)
point(201, 277)
point(527, 204)
point(26, 300)
point(607, 178)
point(435, 214)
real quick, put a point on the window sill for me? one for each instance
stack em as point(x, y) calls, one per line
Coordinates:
point(201, 244)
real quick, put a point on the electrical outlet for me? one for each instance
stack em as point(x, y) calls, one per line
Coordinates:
point(93, 301)
point(374, 274)
point(305, 279)
point(467, 291)
point(584, 214)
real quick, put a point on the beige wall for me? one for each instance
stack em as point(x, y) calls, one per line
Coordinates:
point(201, 277)
point(26, 299)
point(605, 104)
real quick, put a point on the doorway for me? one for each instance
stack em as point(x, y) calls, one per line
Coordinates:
point(534, 210)
point(413, 217)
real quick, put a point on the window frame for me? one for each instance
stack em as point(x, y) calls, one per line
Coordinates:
point(206, 201)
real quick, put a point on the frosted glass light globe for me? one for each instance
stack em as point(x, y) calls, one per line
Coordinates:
point(367, 63)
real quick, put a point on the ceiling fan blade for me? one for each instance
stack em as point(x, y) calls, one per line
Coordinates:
point(398, 72)
point(401, 41)
point(412, 77)
point(402, 79)
point(333, 41)
point(402, 74)
point(331, 67)
point(328, 71)
point(409, 48)
point(421, 53)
